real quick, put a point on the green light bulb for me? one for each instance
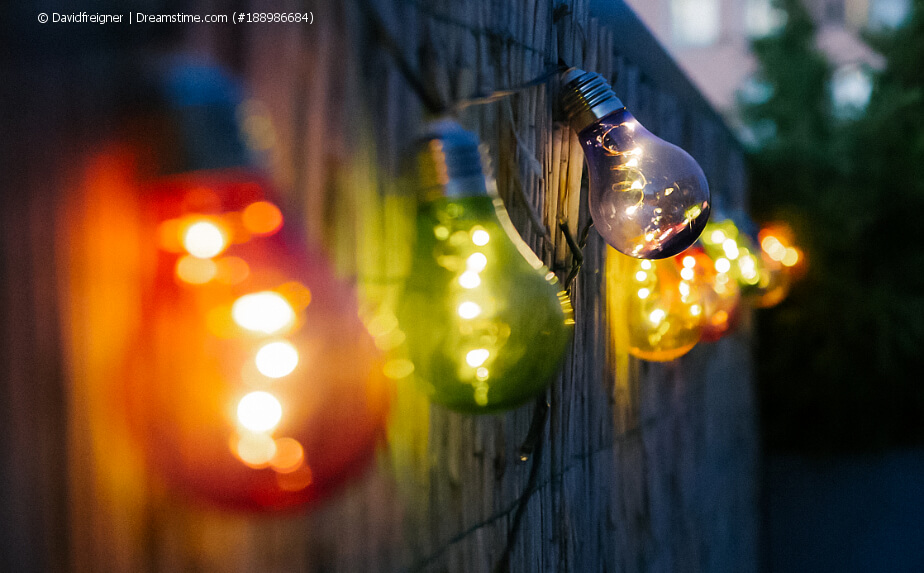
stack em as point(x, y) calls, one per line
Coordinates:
point(487, 325)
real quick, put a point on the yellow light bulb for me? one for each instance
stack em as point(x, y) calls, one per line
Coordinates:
point(661, 321)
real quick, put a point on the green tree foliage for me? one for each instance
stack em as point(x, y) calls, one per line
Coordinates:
point(841, 361)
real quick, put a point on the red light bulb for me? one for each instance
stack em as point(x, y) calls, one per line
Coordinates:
point(253, 384)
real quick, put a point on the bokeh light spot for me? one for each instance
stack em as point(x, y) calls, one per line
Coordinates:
point(267, 312)
point(204, 239)
point(259, 411)
point(195, 271)
point(277, 359)
point(262, 218)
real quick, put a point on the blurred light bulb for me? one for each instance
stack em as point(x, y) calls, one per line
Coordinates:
point(487, 326)
point(780, 258)
point(246, 332)
point(720, 293)
point(735, 254)
point(664, 318)
point(649, 199)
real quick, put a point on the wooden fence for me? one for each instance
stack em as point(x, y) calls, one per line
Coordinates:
point(634, 467)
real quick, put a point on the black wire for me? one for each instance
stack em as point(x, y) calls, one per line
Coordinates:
point(430, 100)
point(534, 444)
point(480, 99)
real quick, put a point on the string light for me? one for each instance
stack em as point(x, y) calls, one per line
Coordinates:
point(649, 199)
point(486, 324)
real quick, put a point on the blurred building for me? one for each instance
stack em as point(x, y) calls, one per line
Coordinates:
point(711, 41)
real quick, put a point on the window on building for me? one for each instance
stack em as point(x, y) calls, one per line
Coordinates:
point(851, 88)
point(888, 14)
point(763, 18)
point(695, 22)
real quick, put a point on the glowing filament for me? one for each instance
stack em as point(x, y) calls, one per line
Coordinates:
point(204, 240)
point(469, 279)
point(277, 359)
point(469, 310)
point(265, 312)
point(480, 237)
point(259, 412)
point(731, 248)
point(636, 185)
point(476, 262)
point(657, 316)
point(477, 357)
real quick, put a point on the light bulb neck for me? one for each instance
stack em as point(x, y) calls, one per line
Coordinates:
point(450, 163)
point(586, 98)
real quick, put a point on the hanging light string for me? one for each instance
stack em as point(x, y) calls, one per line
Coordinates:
point(533, 445)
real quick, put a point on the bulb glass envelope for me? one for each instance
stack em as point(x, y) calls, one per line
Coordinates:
point(253, 384)
point(487, 325)
point(649, 199)
point(661, 306)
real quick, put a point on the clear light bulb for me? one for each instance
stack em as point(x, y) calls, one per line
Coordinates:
point(649, 199)
point(487, 324)
point(664, 306)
